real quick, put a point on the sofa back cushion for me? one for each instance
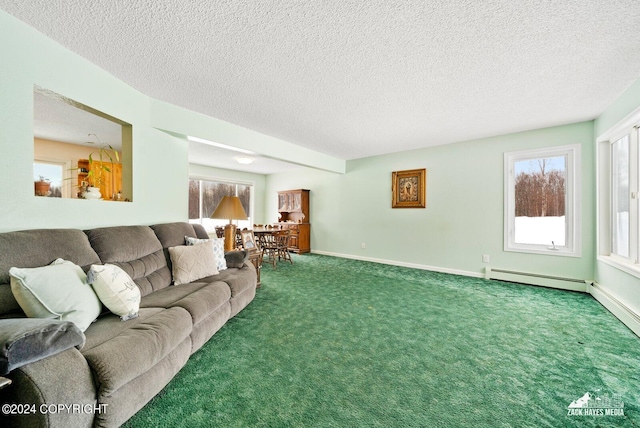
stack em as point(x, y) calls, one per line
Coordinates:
point(35, 248)
point(201, 232)
point(172, 235)
point(136, 250)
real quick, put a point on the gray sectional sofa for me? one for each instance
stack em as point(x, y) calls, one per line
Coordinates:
point(122, 364)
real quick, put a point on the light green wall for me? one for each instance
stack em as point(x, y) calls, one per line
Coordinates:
point(464, 215)
point(624, 287)
point(160, 161)
point(625, 104)
point(258, 181)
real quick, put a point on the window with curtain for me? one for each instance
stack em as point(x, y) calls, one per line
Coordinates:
point(205, 195)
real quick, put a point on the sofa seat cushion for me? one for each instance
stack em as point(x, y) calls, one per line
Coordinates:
point(201, 299)
point(238, 280)
point(119, 351)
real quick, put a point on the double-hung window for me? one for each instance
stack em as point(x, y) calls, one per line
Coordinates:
point(619, 184)
point(205, 195)
point(542, 193)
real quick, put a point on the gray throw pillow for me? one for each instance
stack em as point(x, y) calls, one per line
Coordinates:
point(236, 259)
point(26, 340)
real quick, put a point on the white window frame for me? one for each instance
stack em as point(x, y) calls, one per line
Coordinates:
point(66, 175)
point(573, 246)
point(240, 223)
point(628, 126)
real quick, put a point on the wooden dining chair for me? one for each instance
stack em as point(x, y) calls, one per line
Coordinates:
point(282, 238)
point(269, 248)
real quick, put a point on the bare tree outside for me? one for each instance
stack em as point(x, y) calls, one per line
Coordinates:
point(540, 191)
point(194, 199)
point(212, 194)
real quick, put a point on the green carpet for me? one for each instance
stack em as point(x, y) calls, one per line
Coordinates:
point(330, 342)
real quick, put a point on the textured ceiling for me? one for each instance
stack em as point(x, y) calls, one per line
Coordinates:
point(57, 118)
point(360, 78)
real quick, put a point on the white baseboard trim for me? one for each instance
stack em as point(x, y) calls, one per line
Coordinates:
point(621, 311)
point(529, 278)
point(402, 264)
point(625, 314)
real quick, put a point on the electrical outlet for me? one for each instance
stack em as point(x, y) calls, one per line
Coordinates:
point(486, 258)
point(363, 245)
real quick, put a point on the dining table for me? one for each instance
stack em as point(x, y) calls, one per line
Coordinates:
point(261, 232)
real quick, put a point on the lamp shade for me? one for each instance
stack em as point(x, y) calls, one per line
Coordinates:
point(230, 208)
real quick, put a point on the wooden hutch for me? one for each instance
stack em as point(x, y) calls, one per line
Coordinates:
point(293, 210)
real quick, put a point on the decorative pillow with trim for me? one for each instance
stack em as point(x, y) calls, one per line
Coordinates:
point(218, 249)
point(57, 291)
point(115, 289)
point(192, 262)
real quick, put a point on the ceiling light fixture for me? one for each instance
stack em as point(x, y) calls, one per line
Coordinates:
point(219, 145)
point(93, 142)
point(244, 160)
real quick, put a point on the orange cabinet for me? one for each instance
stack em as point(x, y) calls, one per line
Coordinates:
point(111, 180)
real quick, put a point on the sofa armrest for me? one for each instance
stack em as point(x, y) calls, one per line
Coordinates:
point(236, 259)
point(26, 340)
point(57, 391)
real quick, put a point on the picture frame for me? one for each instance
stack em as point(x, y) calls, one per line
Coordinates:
point(248, 240)
point(409, 188)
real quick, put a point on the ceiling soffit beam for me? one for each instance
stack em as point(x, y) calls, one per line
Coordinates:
point(180, 121)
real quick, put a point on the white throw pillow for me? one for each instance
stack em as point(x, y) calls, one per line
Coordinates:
point(218, 249)
point(191, 263)
point(116, 290)
point(58, 291)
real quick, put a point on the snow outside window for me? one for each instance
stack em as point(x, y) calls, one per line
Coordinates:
point(540, 206)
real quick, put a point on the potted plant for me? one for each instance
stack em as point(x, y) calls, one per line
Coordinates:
point(99, 162)
point(42, 186)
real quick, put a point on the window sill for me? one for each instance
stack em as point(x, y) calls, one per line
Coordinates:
point(625, 267)
point(543, 251)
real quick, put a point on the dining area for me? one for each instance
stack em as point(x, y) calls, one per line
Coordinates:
point(271, 243)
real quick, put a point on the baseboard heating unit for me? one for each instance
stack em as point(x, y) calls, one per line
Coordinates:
point(536, 279)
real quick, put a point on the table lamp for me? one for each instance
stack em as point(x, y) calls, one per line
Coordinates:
point(230, 208)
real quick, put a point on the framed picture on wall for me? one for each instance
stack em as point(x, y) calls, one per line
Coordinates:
point(409, 188)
